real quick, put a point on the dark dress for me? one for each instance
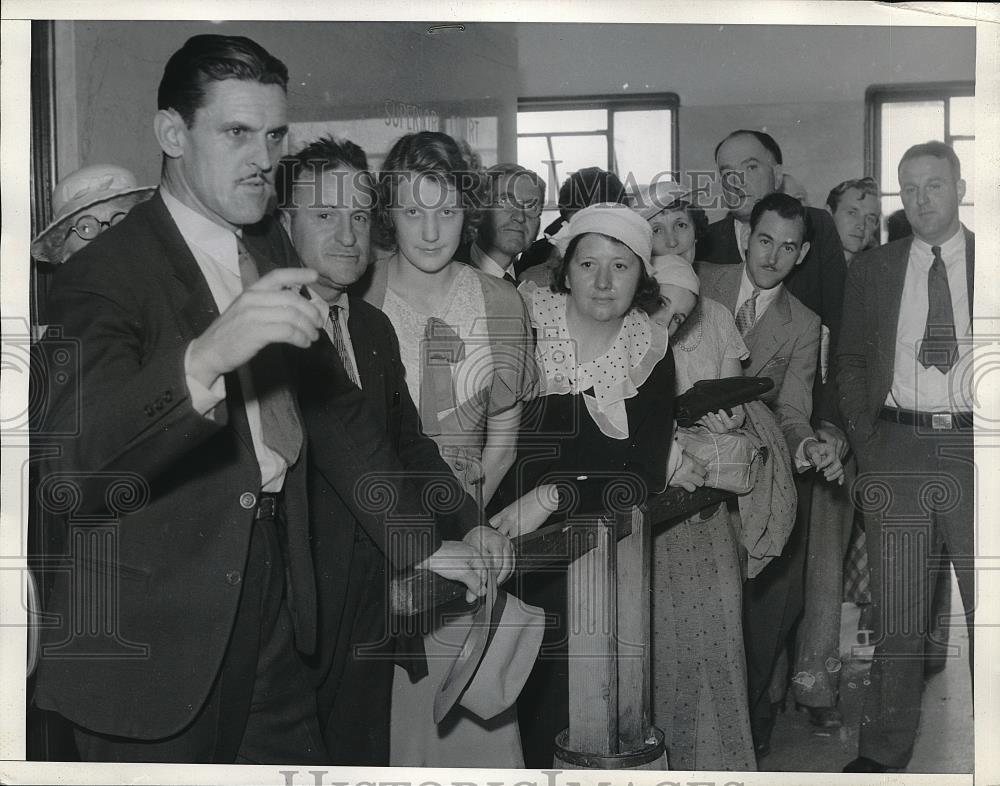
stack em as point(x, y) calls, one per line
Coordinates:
point(560, 441)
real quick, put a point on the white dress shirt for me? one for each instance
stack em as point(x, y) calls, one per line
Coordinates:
point(927, 389)
point(764, 299)
point(742, 230)
point(488, 264)
point(214, 249)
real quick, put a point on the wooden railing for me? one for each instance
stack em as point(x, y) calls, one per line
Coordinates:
point(607, 562)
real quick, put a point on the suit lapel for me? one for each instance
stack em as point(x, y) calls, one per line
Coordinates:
point(769, 333)
point(970, 266)
point(889, 284)
point(194, 303)
point(365, 354)
point(192, 298)
point(729, 240)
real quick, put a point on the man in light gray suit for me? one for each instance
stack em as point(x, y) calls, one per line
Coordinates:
point(783, 337)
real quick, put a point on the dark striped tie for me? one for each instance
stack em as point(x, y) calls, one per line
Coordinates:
point(747, 314)
point(340, 344)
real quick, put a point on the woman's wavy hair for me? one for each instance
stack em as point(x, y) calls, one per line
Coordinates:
point(647, 293)
point(431, 154)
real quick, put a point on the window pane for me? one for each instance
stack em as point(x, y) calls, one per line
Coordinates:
point(642, 145)
point(966, 214)
point(966, 152)
point(905, 124)
point(963, 116)
point(562, 120)
point(578, 152)
point(533, 154)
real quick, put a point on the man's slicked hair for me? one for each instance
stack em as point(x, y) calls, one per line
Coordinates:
point(788, 207)
point(323, 155)
point(214, 58)
point(934, 149)
point(868, 186)
point(765, 139)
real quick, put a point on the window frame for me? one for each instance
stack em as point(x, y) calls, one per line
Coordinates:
point(612, 104)
point(878, 95)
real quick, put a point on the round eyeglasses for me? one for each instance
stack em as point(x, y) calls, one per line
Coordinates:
point(88, 227)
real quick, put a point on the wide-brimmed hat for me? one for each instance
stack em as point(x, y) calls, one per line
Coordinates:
point(496, 658)
point(78, 191)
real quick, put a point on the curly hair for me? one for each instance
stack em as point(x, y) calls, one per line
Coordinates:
point(431, 154)
point(647, 292)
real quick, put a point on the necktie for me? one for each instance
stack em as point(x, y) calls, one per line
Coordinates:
point(278, 420)
point(509, 278)
point(440, 350)
point(939, 347)
point(341, 345)
point(747, 314)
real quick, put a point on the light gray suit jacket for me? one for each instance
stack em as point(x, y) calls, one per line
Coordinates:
point(783, 344)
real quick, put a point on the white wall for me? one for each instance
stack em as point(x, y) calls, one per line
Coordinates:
point(338, 71)
point(804, 85)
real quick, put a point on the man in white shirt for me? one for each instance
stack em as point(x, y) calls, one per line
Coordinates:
point(904, 374)
point(510, 220)
point(182, 312)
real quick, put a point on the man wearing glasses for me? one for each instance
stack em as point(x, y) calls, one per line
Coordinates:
point(84, 204)
point(510, 221)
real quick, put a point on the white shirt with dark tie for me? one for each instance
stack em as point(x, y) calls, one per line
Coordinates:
point(488, 264)
point(927, 389)
point(214, 249)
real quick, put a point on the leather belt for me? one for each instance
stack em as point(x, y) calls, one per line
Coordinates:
point(267, 505)
point(934, 421)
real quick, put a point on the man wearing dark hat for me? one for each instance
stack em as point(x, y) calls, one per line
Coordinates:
point(185, 457)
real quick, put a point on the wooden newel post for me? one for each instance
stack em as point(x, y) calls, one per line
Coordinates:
point(608, 594)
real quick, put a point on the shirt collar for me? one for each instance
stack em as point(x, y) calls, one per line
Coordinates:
point(486, 263)
point(324, 306)
point(216, 241)
point(952, 250)
point(764, 299)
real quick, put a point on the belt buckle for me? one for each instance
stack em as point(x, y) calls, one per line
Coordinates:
point(941, 421)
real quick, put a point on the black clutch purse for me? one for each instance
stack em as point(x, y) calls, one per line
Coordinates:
point(711, 395)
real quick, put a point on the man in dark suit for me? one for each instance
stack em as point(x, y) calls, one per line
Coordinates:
point(783, 337)
point(904, 368)
point(189, 448)
point(510, 220)
point(365, 443)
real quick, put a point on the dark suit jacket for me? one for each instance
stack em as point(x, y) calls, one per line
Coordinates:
point(178, 488)
point(370, 466)
point(867, 352)
point(818, 283)
point(783, 344)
